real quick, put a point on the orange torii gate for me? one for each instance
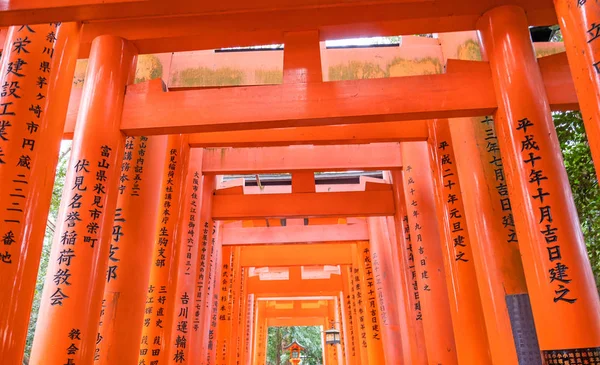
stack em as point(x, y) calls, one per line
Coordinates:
point(146, 243)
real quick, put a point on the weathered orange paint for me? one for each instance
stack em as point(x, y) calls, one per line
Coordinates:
point(465, 304)
point(413, 335)
point(189, 251)
point(427, 252)
point(578, 23)
point(68, 317)
point(120, 328)
point(22, 239)
point(161, 290)
point(557, 269)
point(498, 266)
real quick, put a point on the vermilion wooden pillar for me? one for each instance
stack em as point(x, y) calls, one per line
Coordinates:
point(331, 351)
point(494, 242)
point(339, 319)
point(26, 175)
point(187, 257)
point(204, 277)
point(579, 23)
point(465, 304)
point(248, 329)
point(414, 348)
point(353, 343)
point(559, 277)
point(130, 255)
point(214, 294)
point(368, 303)
point(427, 252)
point(73, 291)
point(229, 269)
point(161, 290)
point(385, 272)
point(260, 345)
point(360, 324)
point(236, 295)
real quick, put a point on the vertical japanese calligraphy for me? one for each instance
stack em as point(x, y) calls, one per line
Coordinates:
point(465, 304)
point(413, 271)
point(371, 294)
point(357, 290)
point(159, 312)
point(558, 274)
point(23, 90)
point(228, 272)
point(185, 270)
point(213, 291)
point(428, 259)
point(129, 260)
point(249, 328)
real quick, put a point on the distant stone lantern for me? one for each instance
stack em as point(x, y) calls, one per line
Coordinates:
point(295, 351)
point(332, 336)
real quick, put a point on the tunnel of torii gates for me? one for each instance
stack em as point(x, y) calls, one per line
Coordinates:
point(456, 242)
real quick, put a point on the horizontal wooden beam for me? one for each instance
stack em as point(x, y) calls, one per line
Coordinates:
point(405, 131)
point(234, 236)
point(15, 12)
point(158, 26)
point(295, 313)
point(286, 287)
point(296, 255)
point(301, 205)
point(558, 83)
point(370, 157)
point(294, 322)
point(150, 111)
point(389, 105)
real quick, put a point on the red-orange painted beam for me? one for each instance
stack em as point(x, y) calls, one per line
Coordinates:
point(413, 130)
point(311, 104)
point(237, 236)
point(294, 322)
point(300, 205)
point(296, 313)
point(229, 161)
point(175, 27)
point(293, 255)
point(283, 287)
point(225, 112)
point(558, 82)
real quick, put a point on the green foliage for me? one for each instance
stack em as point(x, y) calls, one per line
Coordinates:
point(59, 183)
point(308, 337)
point(584, 183)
